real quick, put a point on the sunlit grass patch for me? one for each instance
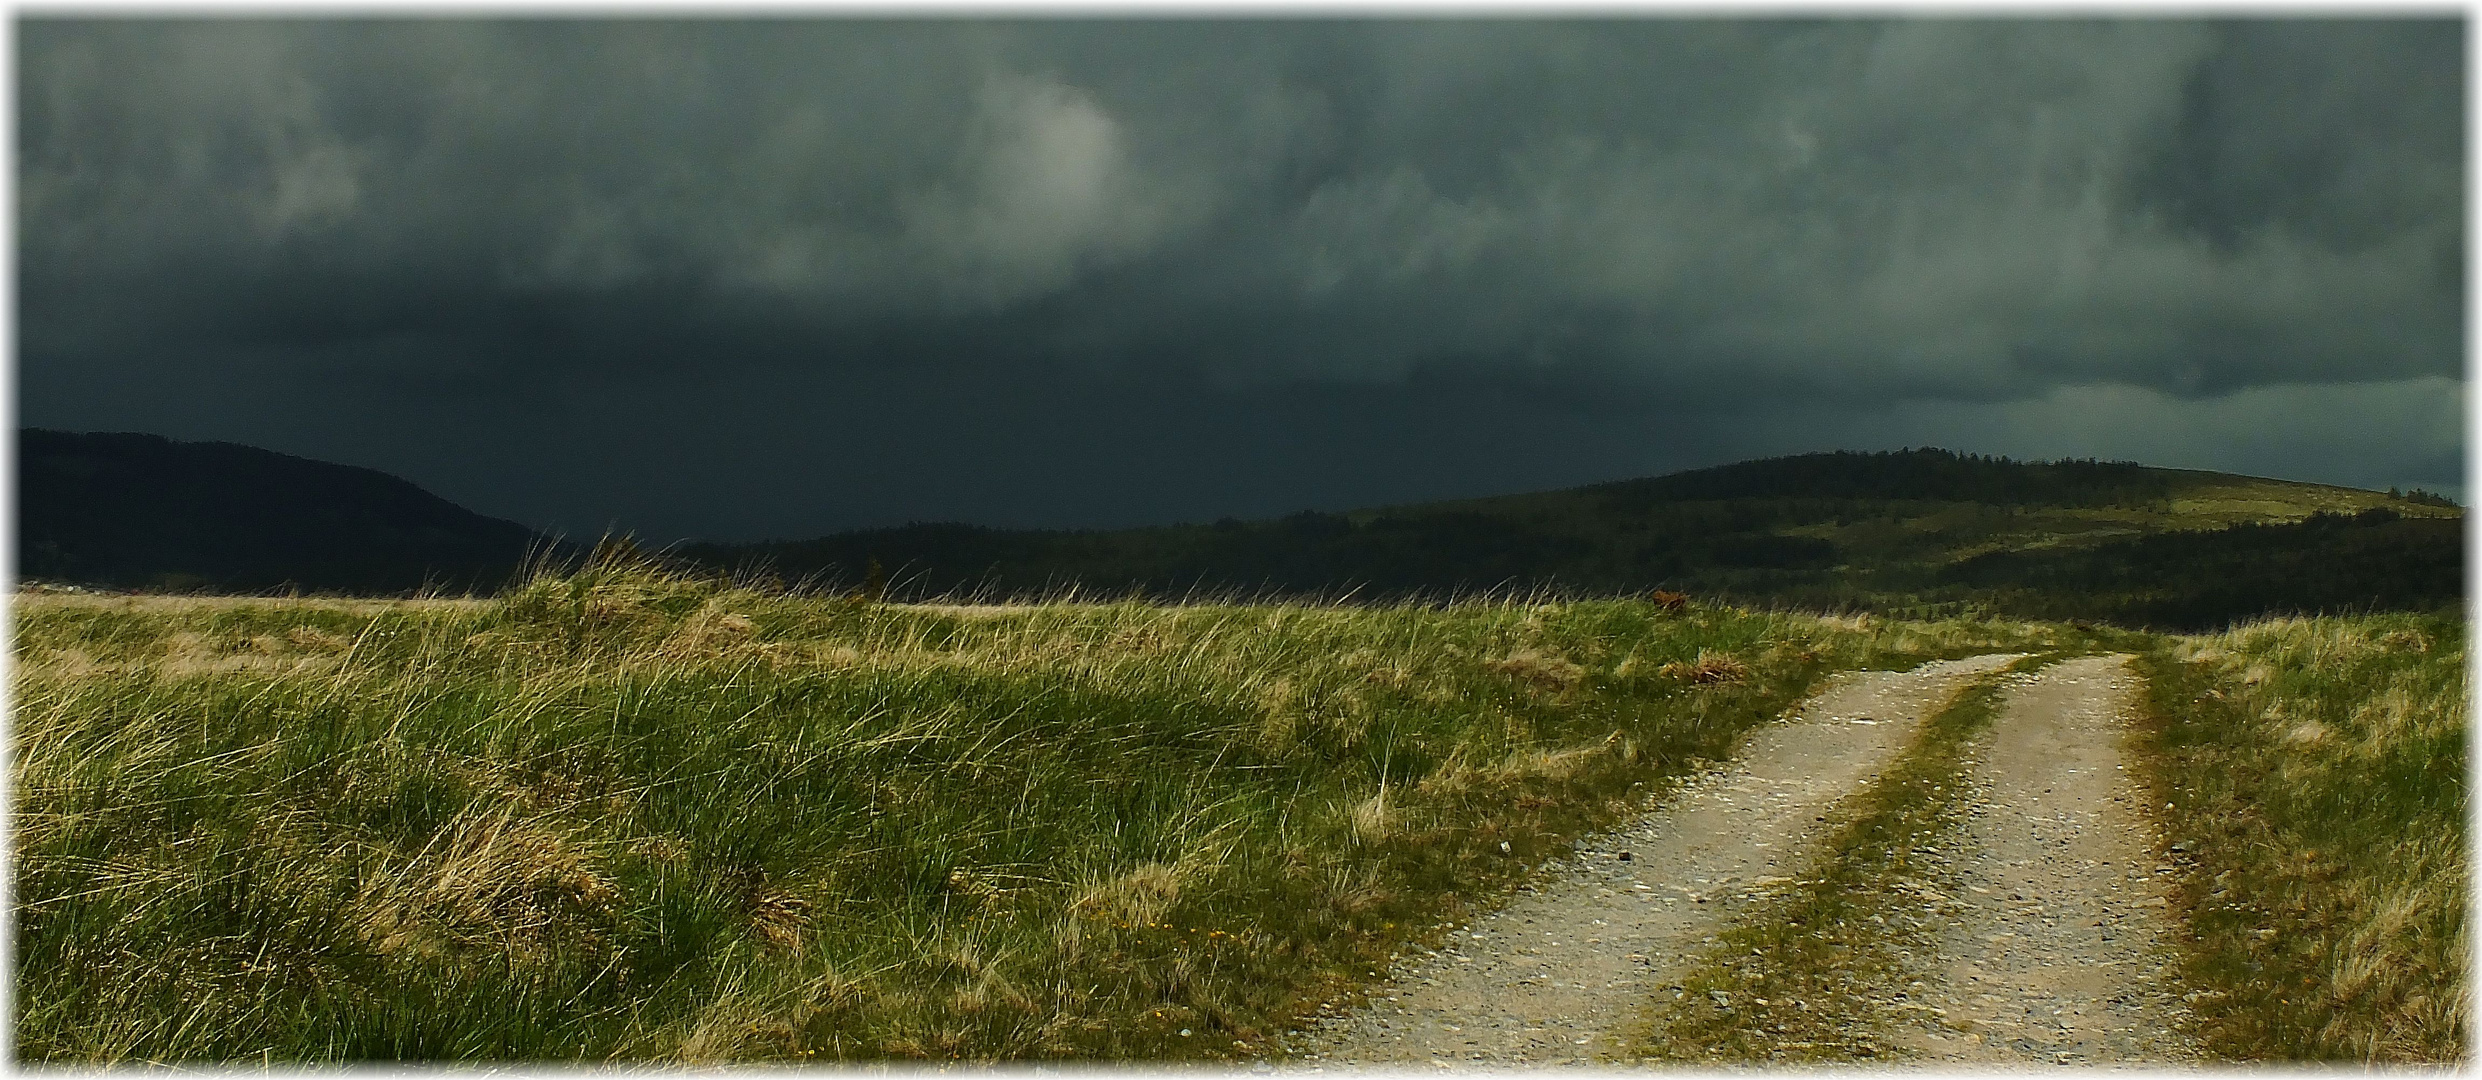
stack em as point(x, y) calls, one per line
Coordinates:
point(2314, 776)
point(619, 814)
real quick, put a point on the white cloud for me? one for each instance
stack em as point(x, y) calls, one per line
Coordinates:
point(1046, 189)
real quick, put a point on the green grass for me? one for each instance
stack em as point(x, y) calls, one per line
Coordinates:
point(2313, 772)
point(620, 815)
point(1805, 976)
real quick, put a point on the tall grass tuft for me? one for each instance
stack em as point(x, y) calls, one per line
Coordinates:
point(619, 814)
point(2313, 772)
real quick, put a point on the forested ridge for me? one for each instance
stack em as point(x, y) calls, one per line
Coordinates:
point(1926, 532)
point(1918, 532)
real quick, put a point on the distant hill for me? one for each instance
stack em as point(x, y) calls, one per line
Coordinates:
point(1923, 532)
point(144, 512)
point(2375, 560)
point(1915, 532)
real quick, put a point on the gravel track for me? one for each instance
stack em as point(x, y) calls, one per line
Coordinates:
point(1551, 978)
point(2057, 946)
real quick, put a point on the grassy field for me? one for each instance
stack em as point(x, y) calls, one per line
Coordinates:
point(622, 815)
point(2313, 774)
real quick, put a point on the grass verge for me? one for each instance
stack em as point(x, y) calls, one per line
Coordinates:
point(2313, 773)
point(619, 815)
point(1804, 976)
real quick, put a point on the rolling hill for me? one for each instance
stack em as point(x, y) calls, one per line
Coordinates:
point(145, 512)
point(1915, 532)
point(1923, 532)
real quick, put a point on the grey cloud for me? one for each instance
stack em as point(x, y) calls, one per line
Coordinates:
point(1609, 222)
point(2280, 129)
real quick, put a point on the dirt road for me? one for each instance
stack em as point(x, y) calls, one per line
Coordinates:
point(2057, 949)
point(1550, 978)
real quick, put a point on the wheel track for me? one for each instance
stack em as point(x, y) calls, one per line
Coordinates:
point(2058, 950)
point(1550, 978)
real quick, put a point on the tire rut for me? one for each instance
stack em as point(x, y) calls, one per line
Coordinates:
point(2059, 946)
point(1552, 978)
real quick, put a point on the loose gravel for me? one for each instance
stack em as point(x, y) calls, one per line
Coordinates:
point(1552, 978)
point(2057, 947)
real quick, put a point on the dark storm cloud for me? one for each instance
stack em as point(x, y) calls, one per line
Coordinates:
point(764, 276)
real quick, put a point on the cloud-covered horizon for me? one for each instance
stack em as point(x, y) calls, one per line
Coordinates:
point(765, 277)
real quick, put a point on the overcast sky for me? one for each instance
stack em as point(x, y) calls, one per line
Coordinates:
point(768, 278)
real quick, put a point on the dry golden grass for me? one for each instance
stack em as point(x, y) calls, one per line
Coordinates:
point(623, 816)
point(1708, 669)
point(2318, 766)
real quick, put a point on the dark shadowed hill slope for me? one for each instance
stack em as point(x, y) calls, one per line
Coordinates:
point(140, 511)
point(1916, 531)
point(2376, 560)
point(1912, 475)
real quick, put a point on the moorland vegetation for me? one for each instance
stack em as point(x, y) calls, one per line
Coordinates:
point(624, 814)
point(669, 809)
point(2313, 775)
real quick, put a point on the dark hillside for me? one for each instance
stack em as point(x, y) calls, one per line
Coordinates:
point(1924, 532)
point(2376, 560)
point(141, 511)
point(1916, 532)
point(1923, 474)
